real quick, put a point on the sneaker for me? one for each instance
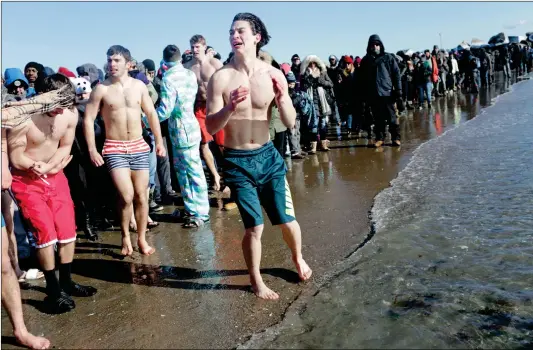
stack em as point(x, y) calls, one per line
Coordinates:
point(297, 156)
point(61, 304)
point(77, 290)
point(154, 207)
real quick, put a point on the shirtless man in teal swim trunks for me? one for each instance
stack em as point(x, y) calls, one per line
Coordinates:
point(239, 100)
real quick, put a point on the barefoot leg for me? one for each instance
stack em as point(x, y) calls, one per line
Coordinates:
point(140, 183)
point(11, 300)
point(122, 181)
point(293, 237)
point(251, 247)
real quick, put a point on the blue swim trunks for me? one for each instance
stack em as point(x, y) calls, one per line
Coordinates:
point(257, 178)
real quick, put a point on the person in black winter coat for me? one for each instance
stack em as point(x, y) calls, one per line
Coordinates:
point(381, 84)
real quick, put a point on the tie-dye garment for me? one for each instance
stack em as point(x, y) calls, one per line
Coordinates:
point(178, 93)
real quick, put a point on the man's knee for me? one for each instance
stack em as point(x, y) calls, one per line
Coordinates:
point(126, 198)
point(254, 232)
point(289, 226)
point(140, 196)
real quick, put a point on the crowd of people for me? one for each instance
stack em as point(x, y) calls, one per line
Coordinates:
point(113, 146)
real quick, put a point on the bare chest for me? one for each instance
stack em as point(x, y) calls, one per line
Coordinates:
point(118, 97)
point(203, 72)
point(261, 90)
point(45, 130)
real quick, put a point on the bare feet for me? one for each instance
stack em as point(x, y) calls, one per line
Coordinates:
point(29, 340)
point(145, 248)
point(263, 292)
point(304, 271)
point(127, 249)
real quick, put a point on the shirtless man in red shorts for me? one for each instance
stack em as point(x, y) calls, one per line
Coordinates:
point(204, 66)
point(39, 150)
point(120, 99)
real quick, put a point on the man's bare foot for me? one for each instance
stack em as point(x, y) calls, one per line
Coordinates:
point(127, 249)
point(145, 248)
point(304, 271)
point(263, 292)
point(31, 341)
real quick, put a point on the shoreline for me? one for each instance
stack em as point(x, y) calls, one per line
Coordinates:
point(193, 293)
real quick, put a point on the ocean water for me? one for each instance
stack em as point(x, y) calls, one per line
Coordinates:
point(450, 264)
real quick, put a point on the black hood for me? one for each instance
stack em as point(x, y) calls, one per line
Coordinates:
point(375, 38)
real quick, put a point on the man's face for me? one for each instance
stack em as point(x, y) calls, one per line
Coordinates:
point(292, 85)
point(332, 61)
point(296, 61)
point(55, 112)
point(198, 50)
point(117, 66)
point(150, 75)
point(376, 48)
point(428, 55)
point(242, 38)
point(349, 66)
point(31, 74)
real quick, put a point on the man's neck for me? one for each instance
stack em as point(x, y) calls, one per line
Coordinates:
point(244, 63)
point(200, 60)
point(121, 79)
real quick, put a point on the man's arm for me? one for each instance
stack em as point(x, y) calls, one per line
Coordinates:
point(167, 102)
point(216, 63)
point(91, 111)
point(396, 77)
point(16, 143)
point(148, 108)
point(287, 113)
point(6, 174)
point(65, 144)
point(218, 114)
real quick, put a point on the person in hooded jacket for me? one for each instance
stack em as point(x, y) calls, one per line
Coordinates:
point(485, 67)
point(17, 84)
point(504, 61)
point(316, 82)
point(381, 84)
point(35, 75)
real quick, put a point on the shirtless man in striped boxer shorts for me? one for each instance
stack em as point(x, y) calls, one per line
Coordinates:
point(126, 154)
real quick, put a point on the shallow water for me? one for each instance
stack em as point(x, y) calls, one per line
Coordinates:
point(451, 262)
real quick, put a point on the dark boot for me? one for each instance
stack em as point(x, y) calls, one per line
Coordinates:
point(89, 229)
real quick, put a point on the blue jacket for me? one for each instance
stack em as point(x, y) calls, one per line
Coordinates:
point(13, 74)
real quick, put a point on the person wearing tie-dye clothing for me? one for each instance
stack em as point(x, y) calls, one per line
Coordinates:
point(178, 93)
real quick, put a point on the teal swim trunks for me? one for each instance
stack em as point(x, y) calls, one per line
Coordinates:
point(257, 178)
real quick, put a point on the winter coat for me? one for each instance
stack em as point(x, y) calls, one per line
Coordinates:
point(380, 76)
point(308, 82)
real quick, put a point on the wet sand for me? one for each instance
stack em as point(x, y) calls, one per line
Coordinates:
point(194, 291)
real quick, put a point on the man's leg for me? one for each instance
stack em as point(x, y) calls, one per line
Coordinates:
point(163, 176)
point(11, 300)
point(8, 212)
point(122, 179)
point(210, 162)
point(140, 202)
point(192, 183)
point(292, 235)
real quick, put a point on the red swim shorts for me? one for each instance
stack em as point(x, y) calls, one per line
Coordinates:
point(200, 111)
point(47, 206)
